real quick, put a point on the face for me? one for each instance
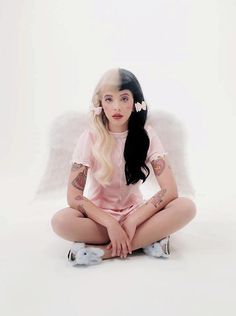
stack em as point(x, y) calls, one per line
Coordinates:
point(117, 103)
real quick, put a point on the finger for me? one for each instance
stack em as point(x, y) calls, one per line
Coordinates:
point(113, 249)
point(109, 246)
point(124, 248)
point(119, 249)
point(129, 247)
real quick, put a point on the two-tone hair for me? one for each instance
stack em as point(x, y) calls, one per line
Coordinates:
point(137, 141)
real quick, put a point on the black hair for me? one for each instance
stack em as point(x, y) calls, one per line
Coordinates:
point(137, 141)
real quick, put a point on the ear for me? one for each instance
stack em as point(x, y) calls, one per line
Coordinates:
point(97, 251)
point(76, 246)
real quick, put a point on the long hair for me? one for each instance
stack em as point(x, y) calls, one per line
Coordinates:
point(137, 141)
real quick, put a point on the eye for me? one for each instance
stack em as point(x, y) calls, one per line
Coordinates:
point(108, 99)
point(125, 98)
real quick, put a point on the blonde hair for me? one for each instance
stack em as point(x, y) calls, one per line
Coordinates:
point(104, 143)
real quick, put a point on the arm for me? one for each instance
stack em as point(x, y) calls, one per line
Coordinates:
point(158, 201)
point(76, 199)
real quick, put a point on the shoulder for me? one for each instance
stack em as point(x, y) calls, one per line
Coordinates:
point(86, 133)
point(85, 137)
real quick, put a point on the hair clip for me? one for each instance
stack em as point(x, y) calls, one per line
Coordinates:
point(97, 109)
point(140, 106)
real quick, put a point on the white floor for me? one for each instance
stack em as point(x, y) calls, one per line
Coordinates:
point(36, 279)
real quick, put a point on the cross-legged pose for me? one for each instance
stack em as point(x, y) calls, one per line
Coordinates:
point(114, 152)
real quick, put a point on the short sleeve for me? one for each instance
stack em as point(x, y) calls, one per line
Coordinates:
point(156, 147)
point(82, 151)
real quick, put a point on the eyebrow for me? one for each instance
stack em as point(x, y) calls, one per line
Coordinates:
point(109, 95)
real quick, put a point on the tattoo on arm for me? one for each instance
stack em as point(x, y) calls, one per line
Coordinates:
point(158, 165)
point(76, 166)
point(80, 207)
point(157, 198)
point(80, 179)
point(82, 210)
point(81, 198)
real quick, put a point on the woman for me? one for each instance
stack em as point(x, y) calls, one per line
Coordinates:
point(114, 151)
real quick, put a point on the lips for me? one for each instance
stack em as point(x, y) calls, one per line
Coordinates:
point(117, 115)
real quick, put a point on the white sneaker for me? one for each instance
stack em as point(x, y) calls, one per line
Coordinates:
point(81, 255)
point(159, 248)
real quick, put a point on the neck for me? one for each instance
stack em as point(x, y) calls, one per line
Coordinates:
point(118, 129)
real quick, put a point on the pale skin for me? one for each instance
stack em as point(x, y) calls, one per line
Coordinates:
point(162, 215)
point(117, 102)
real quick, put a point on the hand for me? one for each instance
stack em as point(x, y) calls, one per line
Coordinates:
point(129, 226)
point(120, 242)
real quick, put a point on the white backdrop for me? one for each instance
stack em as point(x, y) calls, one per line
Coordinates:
point(183, 53)
point(52, 53)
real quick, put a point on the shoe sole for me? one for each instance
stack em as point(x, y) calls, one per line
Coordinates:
point(168, 245)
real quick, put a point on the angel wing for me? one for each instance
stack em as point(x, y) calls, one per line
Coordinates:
point(63, 136)
point(66, 129)
point(173, 136)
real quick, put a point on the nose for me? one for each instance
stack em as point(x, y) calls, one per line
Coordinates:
point(116, 104)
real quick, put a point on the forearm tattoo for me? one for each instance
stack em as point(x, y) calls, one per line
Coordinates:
point(80, 206)
point(157, 198)
point(82, 210)
point(80, 180)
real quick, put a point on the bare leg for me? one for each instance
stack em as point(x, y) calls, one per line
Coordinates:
point(71, 224)
point(173, 217)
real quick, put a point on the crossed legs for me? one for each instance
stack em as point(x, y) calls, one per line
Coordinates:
point(70, 224)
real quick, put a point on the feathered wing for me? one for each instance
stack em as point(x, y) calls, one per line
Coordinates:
point(173, 136)
point(69, 126)
point(63, 136)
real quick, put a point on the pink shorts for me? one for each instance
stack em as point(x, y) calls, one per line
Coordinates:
point(121, 215)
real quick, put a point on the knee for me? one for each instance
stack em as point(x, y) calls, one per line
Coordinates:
point(58, 222)
point(188, 207)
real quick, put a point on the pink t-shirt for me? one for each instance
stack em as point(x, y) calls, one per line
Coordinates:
point(118, 195)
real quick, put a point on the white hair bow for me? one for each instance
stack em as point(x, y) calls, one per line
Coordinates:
point(97, 109)
point(140, 106)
